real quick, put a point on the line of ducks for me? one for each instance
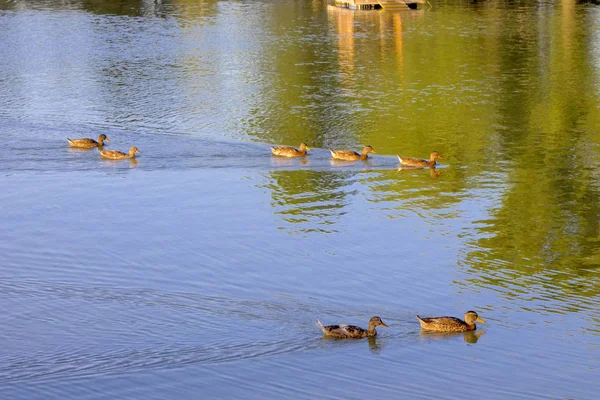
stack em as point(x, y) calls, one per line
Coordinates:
point(349, 155)
point(86, 143)
point(436, 324)
point(281, 151)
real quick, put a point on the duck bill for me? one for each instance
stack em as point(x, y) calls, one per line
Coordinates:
point(373, 151)
point(107, 140)
point(307, 148)
point(384, 325)
point(479, 319)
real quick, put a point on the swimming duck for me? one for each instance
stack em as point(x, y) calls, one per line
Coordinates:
point(350, 155)
point(419, 162)
point(352, 331)
point(118, 155)
point(285, 151)
point(451, 324)
point(87, 143)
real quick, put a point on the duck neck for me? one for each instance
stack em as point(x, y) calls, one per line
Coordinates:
point(371, 331)
point(471, 324)
point(364, 156)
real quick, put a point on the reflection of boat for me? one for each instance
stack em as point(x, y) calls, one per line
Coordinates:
point(469, 337)
point(392, 5)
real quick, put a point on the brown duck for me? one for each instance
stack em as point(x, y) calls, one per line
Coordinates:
point(87, 143)
point(419, 162)
point(349, 155)
point(118, 155)
point(451, 324)
point(352, 331)
point(285, 151)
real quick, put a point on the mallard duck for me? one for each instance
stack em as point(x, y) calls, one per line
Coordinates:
point(87, 143)
point(118, 155)
point(419, 162)
point(285, 151)
point(451, 324)
point(350, 155)
point(351, 331)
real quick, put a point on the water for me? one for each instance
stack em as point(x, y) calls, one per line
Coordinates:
point(201, 268)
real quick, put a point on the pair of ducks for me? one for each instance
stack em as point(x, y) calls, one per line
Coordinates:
point(86, 143)
point(437, 324)
point(349, 155)
point(346, 155)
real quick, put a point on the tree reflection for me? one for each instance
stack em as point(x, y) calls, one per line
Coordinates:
point(308, 200)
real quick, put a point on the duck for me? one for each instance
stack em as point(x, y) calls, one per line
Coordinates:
point(285, 151)
point(451, 324)
point(419, 162)
point(352, 331)
point(87, 143)
point(118, 155)
point(350, 155)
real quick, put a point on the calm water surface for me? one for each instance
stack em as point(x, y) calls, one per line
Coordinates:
point(199, 269)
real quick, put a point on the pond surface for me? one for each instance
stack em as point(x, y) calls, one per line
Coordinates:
point(200, 268)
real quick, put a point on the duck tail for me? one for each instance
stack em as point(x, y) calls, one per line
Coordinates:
point(320, 325)
point(69, 140)
point(332, 152)
point(400, 159)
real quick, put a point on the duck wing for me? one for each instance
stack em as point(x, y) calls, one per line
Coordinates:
point(344, 154)
point(412, 161)
point(114, 154)
point(342, 330)
point(443, 323)
point(284, 151)
point(83, 142)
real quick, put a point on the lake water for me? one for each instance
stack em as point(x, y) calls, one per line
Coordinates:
point(200, 269)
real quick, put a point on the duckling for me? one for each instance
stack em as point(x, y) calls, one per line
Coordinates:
point(351, 331)
point(451, 324)
point(350, 155)
point(118, 155)
point(87, 143)
point(285, 151)
point(419, 162)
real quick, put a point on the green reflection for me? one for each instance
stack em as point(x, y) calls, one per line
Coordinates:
point(541, 241)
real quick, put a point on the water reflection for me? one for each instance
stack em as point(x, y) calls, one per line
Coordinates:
point(289, 162)
point(470, 337)
point(82, 149)
point(334, 162)
point(309, 200)
point(433, 171)
point(375, 343)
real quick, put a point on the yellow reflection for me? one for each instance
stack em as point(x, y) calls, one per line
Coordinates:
point(397, 29)
point(289, 162)
point(82, 149)
point(344, 24)
point(334, 162)
point(434, 173)
point(470, 337)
